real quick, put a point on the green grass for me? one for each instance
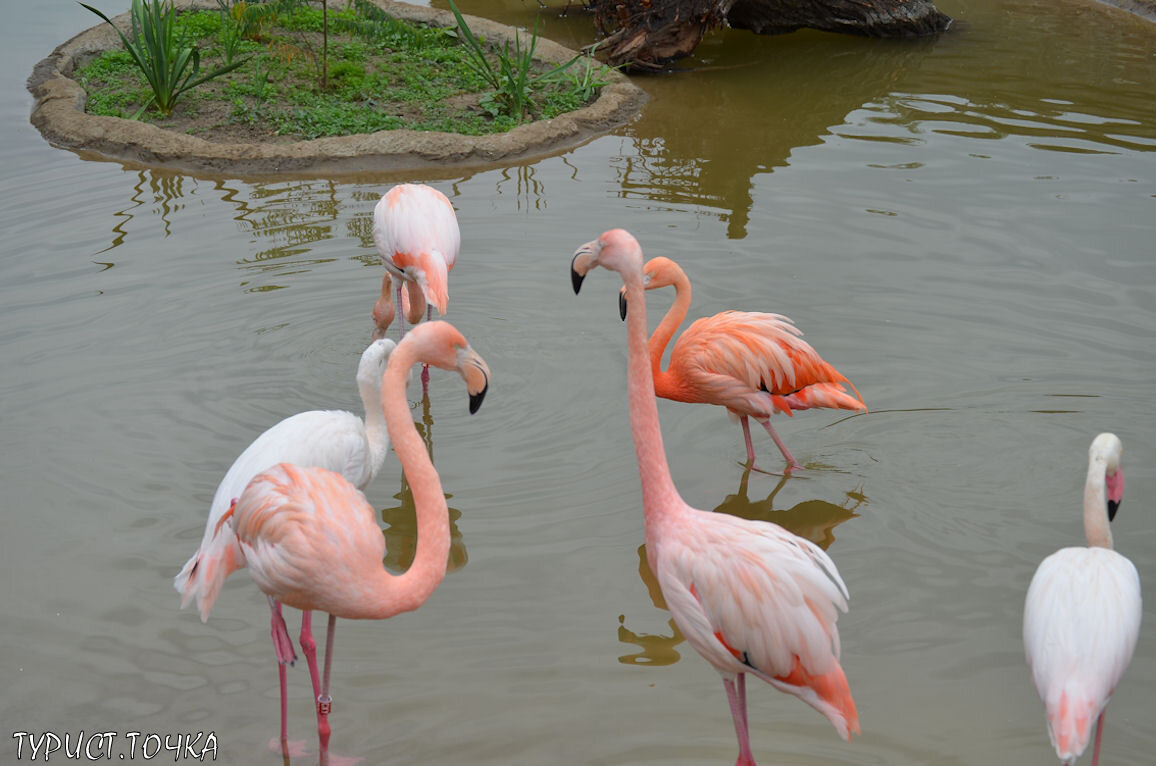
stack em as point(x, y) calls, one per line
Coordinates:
point(383, 74)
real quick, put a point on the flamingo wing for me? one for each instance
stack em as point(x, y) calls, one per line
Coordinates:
point(310, 537)
point(416, 233)
point(330, 439)
point(1081, 622)
point(753, 598)
point(755, 363)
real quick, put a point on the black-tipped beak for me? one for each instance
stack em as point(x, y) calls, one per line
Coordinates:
point(476, 399)
point(575, 277)
point(622, 305)
point(1113, 506)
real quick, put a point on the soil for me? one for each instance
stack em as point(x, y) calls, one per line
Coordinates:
point(207, 142)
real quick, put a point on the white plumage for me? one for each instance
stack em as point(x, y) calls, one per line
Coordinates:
point(1082, 616)
point(337, 440)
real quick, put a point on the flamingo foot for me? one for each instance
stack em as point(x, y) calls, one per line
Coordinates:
point(289, 748)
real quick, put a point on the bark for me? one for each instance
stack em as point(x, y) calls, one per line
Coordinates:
point(647, 34)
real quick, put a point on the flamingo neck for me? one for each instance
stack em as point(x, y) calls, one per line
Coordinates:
point(659, 495)
point(1096, 527)
point(665, 331)
point(376, 433)
point(408, 591)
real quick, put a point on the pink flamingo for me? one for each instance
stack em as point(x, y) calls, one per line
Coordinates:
point(312, 541)
point(754, 364)
point(749, 596)
point(337, 440)
point(416, 233)
point(1082, 615)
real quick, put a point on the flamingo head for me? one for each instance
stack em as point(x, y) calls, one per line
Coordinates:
point(1108, 448)
point(616, 250)
point(383, 310)
point(440, 344)
point(656, 273)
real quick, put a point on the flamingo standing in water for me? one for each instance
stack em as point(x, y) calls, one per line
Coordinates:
point(416, 233)
point(754, 364)
point(749, 596)
point(313, 542)
point(1082, 615)
point(337, 440)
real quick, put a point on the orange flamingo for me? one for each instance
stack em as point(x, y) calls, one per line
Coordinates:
point(416, 233)
point(754, 364)
point(1082, 615)
point(749, 596)
point(311, 540)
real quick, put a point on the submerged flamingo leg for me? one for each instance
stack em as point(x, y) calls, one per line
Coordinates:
point(1096, 747)
point(737, 697)
point(324, 701)
point(425, 367)
point(792, 464)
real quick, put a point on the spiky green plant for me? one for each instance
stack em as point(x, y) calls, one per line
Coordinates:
point(164, 55)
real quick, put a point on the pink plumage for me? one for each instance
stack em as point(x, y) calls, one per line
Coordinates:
point(750, 597)
point(754, 364)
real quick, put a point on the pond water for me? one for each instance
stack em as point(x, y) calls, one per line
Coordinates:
point(964, 227)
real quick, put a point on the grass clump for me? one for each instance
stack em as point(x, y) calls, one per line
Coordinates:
point(289, 79)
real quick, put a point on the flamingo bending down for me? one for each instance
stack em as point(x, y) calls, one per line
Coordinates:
point(384, 312)
point(313, 542)
point(754, 364)
point(337, 440)
point(750, 596)
point(417, 236)
point(1082, 615)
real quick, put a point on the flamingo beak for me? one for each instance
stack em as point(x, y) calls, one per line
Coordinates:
point(622, 304)
point(1115, 486)
point(476, 373)
point(580, 265)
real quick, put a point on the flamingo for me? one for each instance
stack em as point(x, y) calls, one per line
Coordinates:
point(384, 312)
point(313, 542)
point(417, 237)
point(749, 596)
point(754, 364)
point(336, 440)
point(1082, 615)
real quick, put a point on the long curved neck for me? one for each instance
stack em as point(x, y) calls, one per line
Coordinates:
point(666, 328)
point(410, 590)
point(1096, 527)
point(376, 433)
point(658, 490)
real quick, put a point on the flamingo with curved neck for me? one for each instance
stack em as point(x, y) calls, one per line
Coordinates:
point(1082, 615)
point(754, 364)
point(312, 541)
point(749, 596)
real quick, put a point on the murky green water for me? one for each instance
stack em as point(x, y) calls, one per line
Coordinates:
point(964, 227)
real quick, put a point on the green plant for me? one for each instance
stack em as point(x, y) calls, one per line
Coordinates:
point(163, 54)
point(232, 32)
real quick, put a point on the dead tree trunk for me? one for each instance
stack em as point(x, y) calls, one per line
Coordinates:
point(646, 34)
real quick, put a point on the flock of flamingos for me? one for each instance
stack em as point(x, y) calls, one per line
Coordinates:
point(749, 596)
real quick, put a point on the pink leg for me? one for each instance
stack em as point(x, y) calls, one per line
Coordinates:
point(1096, 747)
point(401, 310)
point(309, 648)
point(324, 701)
point(737, 697)
point(425, 367)
point(284, 712)
point(792, 464)
point(282, 644)
point(747, 438)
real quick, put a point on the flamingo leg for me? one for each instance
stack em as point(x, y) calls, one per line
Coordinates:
point(284, 712)
point(400, 309)
point(747, 438)
point(324, 701)
point(425, 367)
point(737, 697)
point(282, 644)
point(309, 648)
point(792, 464)
point(1096, 747)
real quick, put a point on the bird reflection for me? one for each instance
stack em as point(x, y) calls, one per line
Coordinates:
point(401, 520)
point(813, 519)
